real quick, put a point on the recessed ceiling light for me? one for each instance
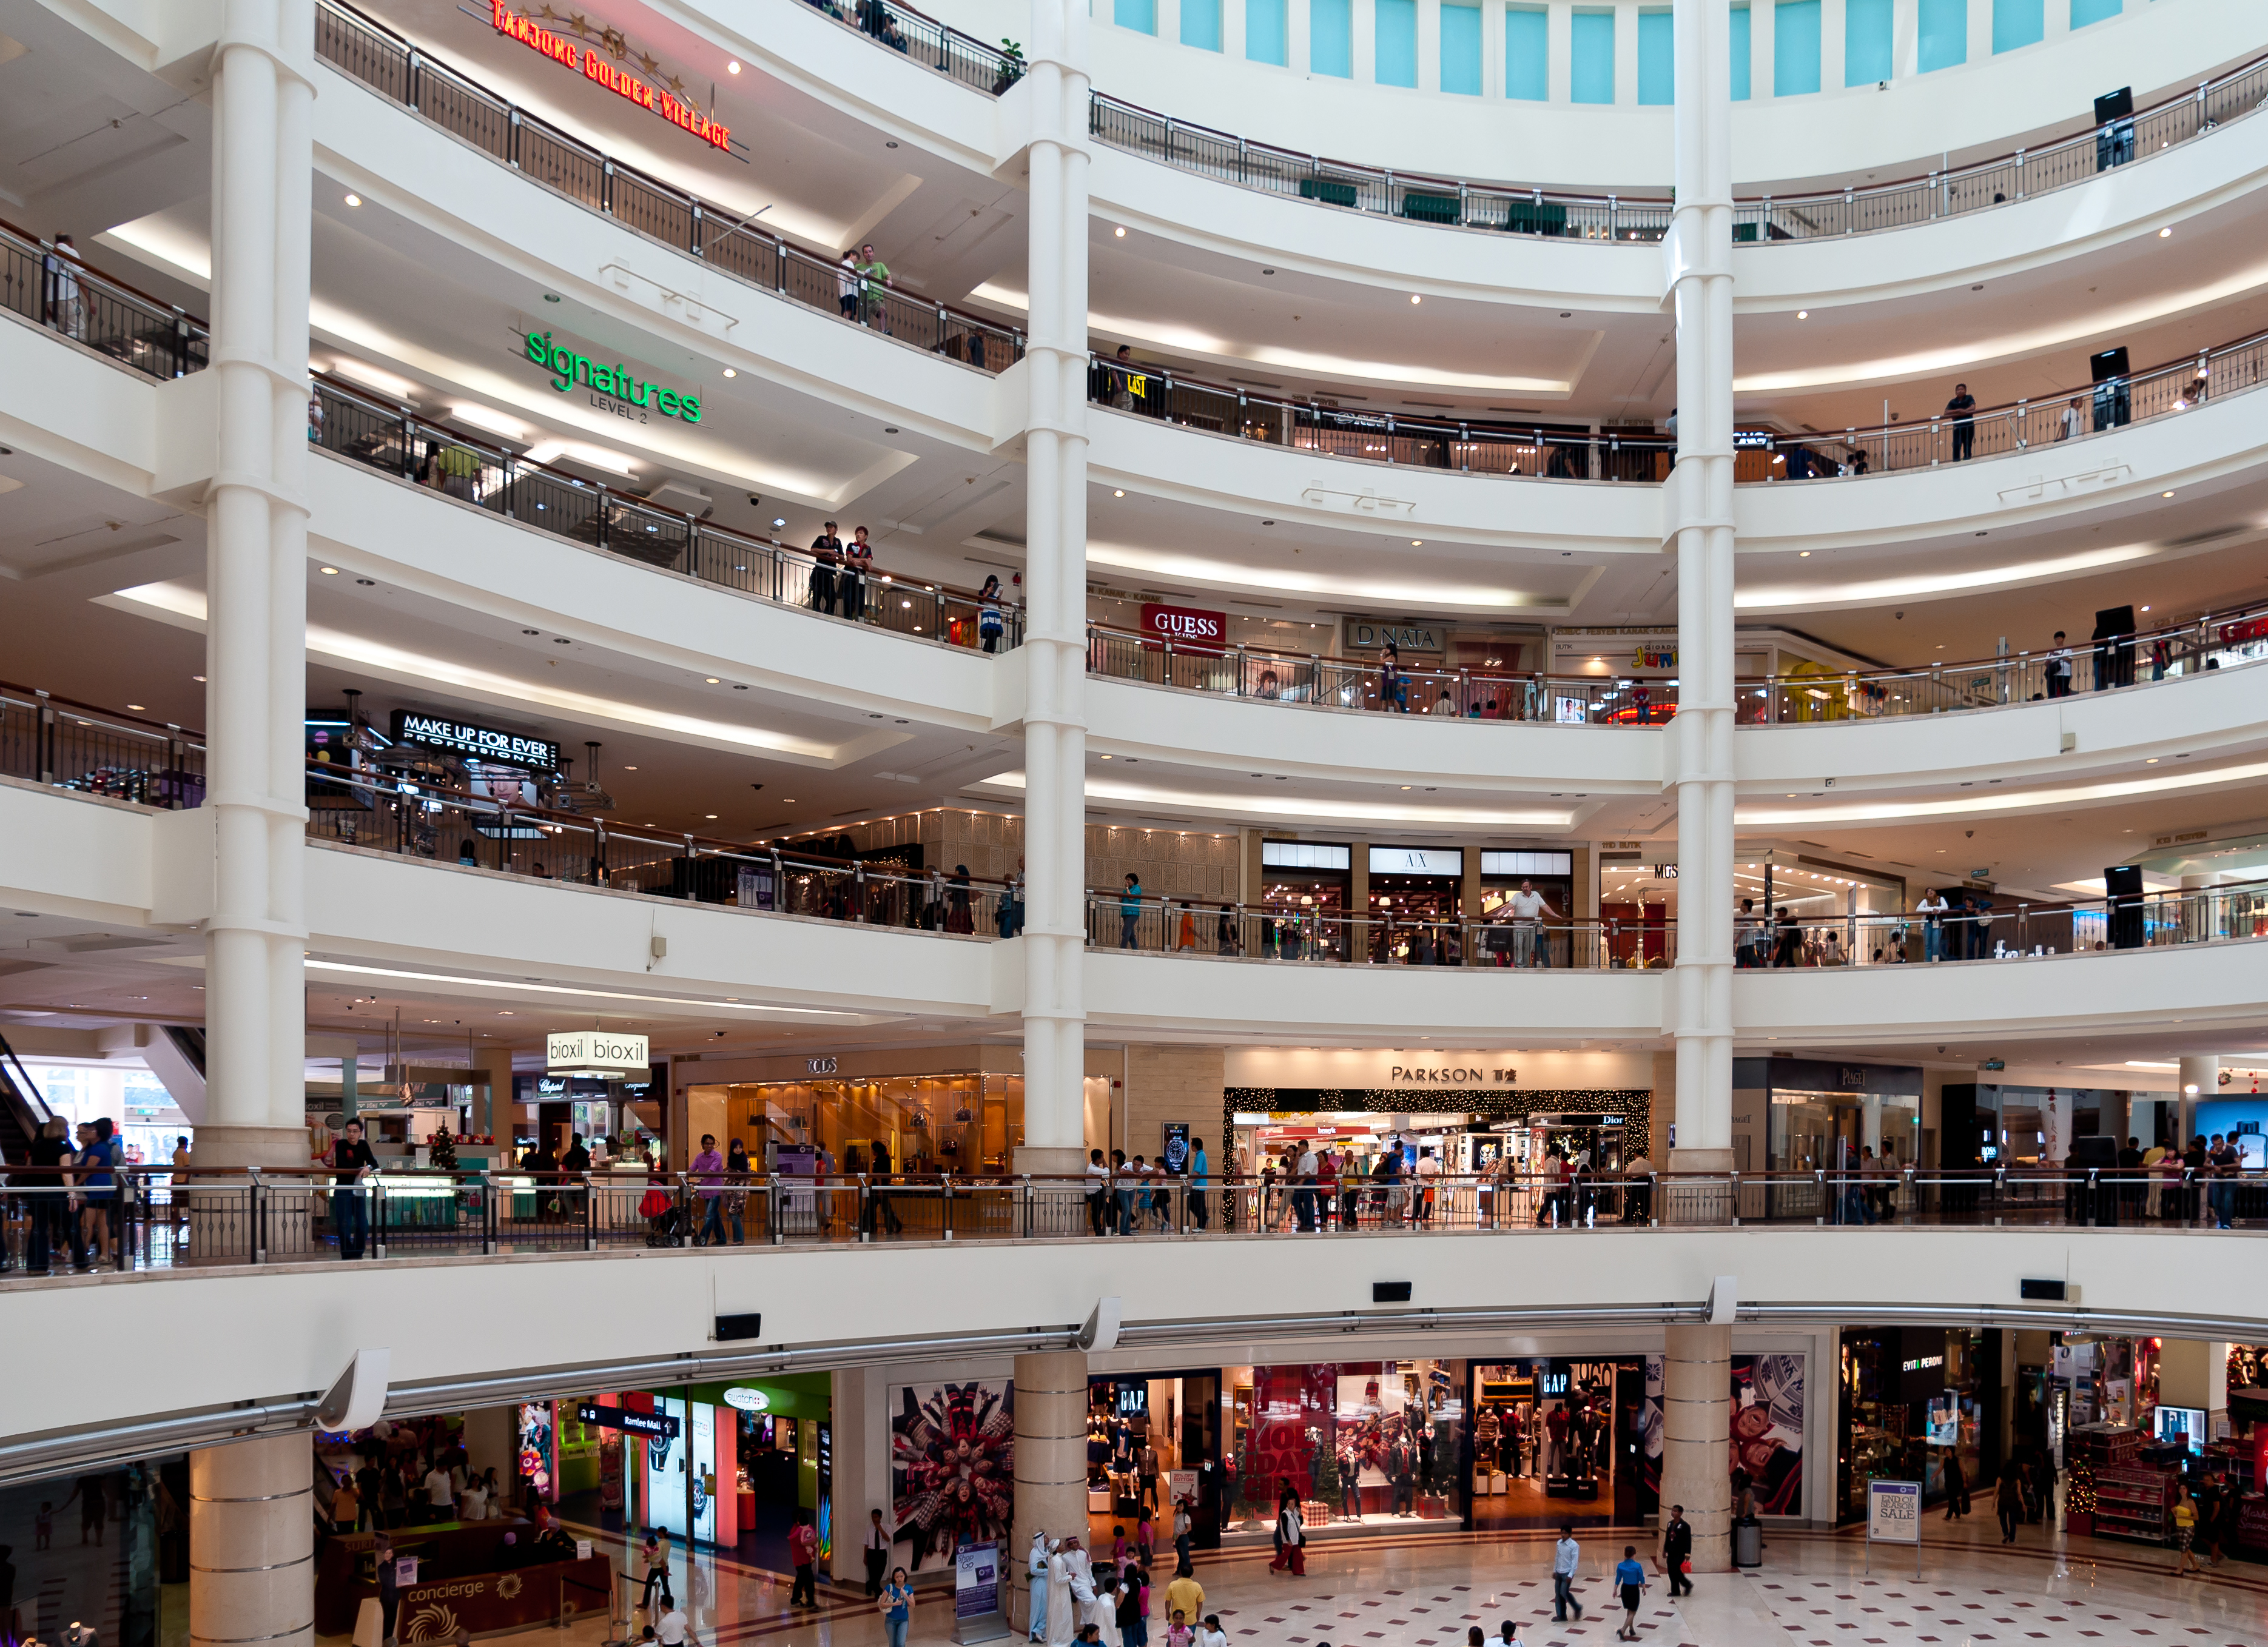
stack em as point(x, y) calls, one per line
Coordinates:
point(355, 200)
point(629, 768)
point(199, 679)
point(712, 679)
point(889, 430)
point(137, 706)
point(330, 571)
point(733, 67)
point(2164, 233)
point(1803, 555)
point(550, 297)
point(1106, 757)
point(1119, 492)
point(1120, 231)
point(788, 800)
point(892, 143)
point(560, 640)
point(2165, 494)
point(1803, 315)
point(531, 631)
point(2152, 761)
point(711, 816)
point(731, 371)
point(367, 582)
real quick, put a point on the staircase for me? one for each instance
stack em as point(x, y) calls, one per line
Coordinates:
point(22, 1110)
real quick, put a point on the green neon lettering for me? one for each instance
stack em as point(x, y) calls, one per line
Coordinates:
point(562, 366)
point(537, 347)
point(692, 409)
point(668, 402)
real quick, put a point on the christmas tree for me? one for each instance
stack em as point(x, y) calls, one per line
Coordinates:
point(441, 1150)
point(1325, 1472)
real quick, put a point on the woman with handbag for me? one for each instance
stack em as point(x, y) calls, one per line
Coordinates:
point(657, 1205)
point(736, 1193)
point(1290, 1535)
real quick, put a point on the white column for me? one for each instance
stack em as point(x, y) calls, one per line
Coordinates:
point(2199, 1080)
point(1700, 496)
point(1050, 1466)
point(1559, 49)
point(1870, 1122)
point(256, 582)
point(1054, 646)
point(1697, 1417)
point(252, 1543)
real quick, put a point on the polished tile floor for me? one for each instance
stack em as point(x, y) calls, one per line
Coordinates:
point(1813, 1590)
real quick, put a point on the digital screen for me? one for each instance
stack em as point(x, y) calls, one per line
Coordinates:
point(2184, 1426)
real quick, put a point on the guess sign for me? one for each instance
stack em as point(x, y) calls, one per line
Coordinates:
point(1188, 628)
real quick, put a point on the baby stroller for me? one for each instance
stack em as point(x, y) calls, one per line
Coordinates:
point(665, 1219)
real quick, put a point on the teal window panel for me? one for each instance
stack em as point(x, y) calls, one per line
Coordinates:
point(1330, 38)
point(1795, 48)
point(1134, 14)
point(1267, 32)
point(1944, 34)
point(1740, 53)
point(2018, 22)
point(1526, 54)
point(1394, 41)
point(1460, 49)
point(1591, 57)
point(2085, 11)
point(1865, 41)
point(1657, 63)
point(1201, 24)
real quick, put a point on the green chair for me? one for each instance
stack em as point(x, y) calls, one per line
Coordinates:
point(1744, 231)
point(1330, 193)
point(1431, 207)
point(1527, 217)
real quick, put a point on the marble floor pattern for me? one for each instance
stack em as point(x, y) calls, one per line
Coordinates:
point(1813, 1590)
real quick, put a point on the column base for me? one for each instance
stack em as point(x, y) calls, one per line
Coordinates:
point(1696, 1417)
point(228, 1221)
point(1041, 1160)
point(235, 1146)
point(1697, 1204)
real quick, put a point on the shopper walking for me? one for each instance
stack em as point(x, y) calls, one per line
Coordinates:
point(2008, 1497)
point(876, 1547)
point(1677, 1552)
point(1528, 908)
point(1129, 911)
point(1566, 1556)
point(1198, 1212)
point(1962, 407)
point(2185, 1520)
point(1291, 1534)
point(896, 1606)
point(1630, 1582)
point(802, 1551)
point(991, 624)
point(709, 1172)
point(1184, 1569)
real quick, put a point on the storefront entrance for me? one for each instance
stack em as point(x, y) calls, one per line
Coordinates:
point(1153, 1442)
point(1559, 1440)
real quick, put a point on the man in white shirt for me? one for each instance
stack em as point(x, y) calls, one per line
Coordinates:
point(2071, 421)
point(438, 1493)
point(1429, 1173)
point(2059, 668)
point(1098, 1194)
point(1565, 1556)
point(673, 1631)
point(1303, 1193)
point(1529, 908)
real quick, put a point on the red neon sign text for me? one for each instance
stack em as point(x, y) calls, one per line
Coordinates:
point(594, 66)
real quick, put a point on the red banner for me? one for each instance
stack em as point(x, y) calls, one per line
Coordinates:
point(1189, 628)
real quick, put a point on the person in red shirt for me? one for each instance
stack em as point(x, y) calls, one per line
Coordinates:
point(803, 1550)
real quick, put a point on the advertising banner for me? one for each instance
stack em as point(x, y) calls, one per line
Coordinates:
point(976, 1594)
point(1894, 1513)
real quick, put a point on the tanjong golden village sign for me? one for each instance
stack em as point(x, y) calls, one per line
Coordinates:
point(591, 61)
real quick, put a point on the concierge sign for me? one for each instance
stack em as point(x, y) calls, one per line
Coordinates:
point(1189, 628)
point(594, 1052)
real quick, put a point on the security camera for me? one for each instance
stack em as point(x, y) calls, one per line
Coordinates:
point(755, 786)
point(1969, 834)
point(755, 501)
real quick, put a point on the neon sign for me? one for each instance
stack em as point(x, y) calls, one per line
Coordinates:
point(594, 66)
point(567, 369)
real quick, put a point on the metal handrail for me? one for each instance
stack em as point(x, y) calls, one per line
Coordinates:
point(1282, 931)
point(2064, 416)
point(1644, 215)
point(481, 470)
point(391, 67)
point(58, 292)
point(163, 1218)
point(2006, 929)
point(1476, 446)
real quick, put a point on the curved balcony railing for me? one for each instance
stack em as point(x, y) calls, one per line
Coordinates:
point(478, 469)
point(1288, 930)
point(2188, 650)
point(991, 70)
point(1760, 219)
point(1537, 450)
point(725, 241)
point(161, 1219)
point(2064, 417)
point(1990, 927)
point(54, 290)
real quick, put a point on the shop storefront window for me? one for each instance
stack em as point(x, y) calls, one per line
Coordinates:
point(1374, 1441)
point(958, 1123)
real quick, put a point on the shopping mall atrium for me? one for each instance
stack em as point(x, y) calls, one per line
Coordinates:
point(600, 1035)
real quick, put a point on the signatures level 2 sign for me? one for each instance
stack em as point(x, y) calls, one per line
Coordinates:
point(591, 61)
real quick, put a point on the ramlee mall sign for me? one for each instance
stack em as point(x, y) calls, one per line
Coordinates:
point(592, 65)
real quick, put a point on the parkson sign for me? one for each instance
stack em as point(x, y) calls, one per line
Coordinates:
point(591, 63)
point(567, 369)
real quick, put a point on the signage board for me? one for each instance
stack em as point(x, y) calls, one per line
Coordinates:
point(617, 382)
point(1417, 860)
point(747, 1400)
point(1752, 439)
point(660, 1426)
point(1369, 635)
point(1894, 1513)
point(592, 64)
point(482, 743)
point(577, 1051)
point(1189, 628)
point(1177, 1147)
point(976, 1594)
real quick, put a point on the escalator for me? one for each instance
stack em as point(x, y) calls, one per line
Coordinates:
point(191, 1040)
point(22, 1110)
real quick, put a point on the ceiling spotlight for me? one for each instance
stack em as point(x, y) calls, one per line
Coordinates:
point(1119, 492)
point(1417, 543)
point(1120, 231)
point(1803, 315)
point(198, 679)
point(711, 817)
point(731, 371)
point(2165, 494)
point(712, 679)
point(1803, 555)
point(733, 67)
point(1414, 297)
point(550, 297)
point(355, 200)
point(2165, 234)
point(330, 571)
point(137, 707)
